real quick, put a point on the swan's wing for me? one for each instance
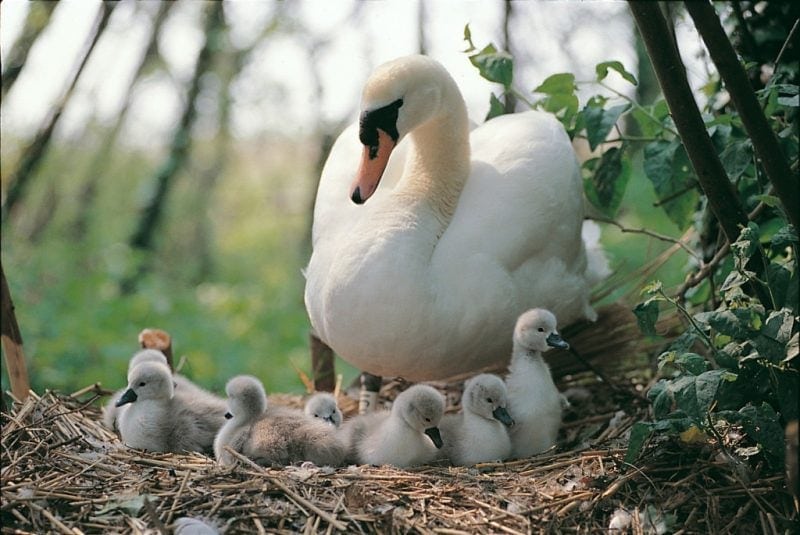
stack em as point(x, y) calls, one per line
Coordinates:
point(524, 196)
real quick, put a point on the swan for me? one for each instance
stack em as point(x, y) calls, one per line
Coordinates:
point(159, 420)
point(479, 432)
point(323, 406)
point(272, 435)
point(407, 435)
point(534, 402)
point(425, 254)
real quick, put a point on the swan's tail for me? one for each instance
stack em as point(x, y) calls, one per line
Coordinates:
point(597, 266)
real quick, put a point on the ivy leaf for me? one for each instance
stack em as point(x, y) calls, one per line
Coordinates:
point(494, 65)
point(640, 432)
point(468, 38)
point(762, 425)
point(558, 84)
point(667, 166)
point(602, 71)
point(784, 237)
point(745, 245)
point(496, 107)
point(652, 123)
point(605, 187)
point(692, 362)
point(599, 122)
point(646, 316)
point(736, 158)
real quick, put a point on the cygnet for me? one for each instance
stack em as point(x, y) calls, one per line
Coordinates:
point(159, 420)
point(184, 389)
point(323, 406)
point(272, 435)
point(479, 432)
point(534, 401)
point(408, 435)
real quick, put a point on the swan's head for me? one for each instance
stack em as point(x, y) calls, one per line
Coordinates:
point(421, 407)
point(146, 381)
point(323, 406)
point(486, 396)
point(536, 331)
point(398, 97)
point(147, 355)
point(246, 398)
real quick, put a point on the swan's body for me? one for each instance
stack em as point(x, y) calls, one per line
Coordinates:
point(464, 233)
point(405, 436)
point(184, 389)
point(533, 399)
point(159, 420)
point(479, 432)
point(272, 435)
point(323, 406)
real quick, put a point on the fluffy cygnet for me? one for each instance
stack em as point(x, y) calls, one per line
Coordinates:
point(159, 420)
point(408, 435)
point(478, 433)
point(184, 389)
point(274, 435)
point(533, 399)
point(323, 406)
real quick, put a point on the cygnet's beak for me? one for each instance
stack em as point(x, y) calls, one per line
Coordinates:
point(554, 340)
point(128, 397)
point(501, 415)
point(373, 164)
point(433, 432)
point(330, 419)
point(228, 415)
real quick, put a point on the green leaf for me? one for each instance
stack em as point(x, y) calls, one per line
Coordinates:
point(736, 323)
point(605, 187)
point(494, 65)
point(692, 363)
point(640, 432)
point(667, 166)
point(745, 245)
point(562, 105)
point(599, 122)
point(762, 425)
point(602, 71)
point(468, 38)
point(783, 238)
point(496, 107)
point(736, 158)
point(652, 125)
point(647, 316)
point(558, 84)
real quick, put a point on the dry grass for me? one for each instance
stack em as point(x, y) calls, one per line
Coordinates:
point(62, 472)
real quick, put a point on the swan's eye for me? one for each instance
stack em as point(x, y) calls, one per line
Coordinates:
point(142, 383)
point(541, 329)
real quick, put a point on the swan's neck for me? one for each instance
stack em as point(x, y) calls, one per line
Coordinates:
point(439, 162)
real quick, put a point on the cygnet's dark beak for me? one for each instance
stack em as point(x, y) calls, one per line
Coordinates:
point(554, 340)
point(433, 432)
point(501, 415)
point(128, 397)
point(228, 415)
point(330, 420)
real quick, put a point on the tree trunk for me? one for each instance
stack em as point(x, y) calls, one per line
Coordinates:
point(37, 20)
point(764, 141)
point(722, 199)
point(509, 100)
point(152, 211)
point(32, 156)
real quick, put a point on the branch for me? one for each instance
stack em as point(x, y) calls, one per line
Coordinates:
point(652, 234)
point(764, 140)
point(721, 196)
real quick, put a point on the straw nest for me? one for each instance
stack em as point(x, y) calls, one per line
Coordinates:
point(63, 472)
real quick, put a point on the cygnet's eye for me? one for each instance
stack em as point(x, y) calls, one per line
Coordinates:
point(541, 329)
point(142, 383)
point(428, 420)
point(316, 415)
point(489, 400)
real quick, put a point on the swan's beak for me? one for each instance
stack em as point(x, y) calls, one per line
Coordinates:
point(373, 164)
point(554, 340)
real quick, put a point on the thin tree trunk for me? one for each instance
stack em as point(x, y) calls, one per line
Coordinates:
point(509, 100)
point(12, 342)
point(33, 154)
point(37, 20)
point(151, 213)
point(764, 141)
point(98, 165)
point(421, 21)
point(671, 75)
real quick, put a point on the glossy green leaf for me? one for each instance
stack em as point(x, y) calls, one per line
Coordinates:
point(496, 107)
point(558, 84)
point(647, 316)
point(494, 65)
point(599, 122)
point(602, 71)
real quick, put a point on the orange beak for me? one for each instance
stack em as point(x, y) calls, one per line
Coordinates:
point(373, 164)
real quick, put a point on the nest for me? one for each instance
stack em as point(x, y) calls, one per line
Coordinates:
point(63, 472)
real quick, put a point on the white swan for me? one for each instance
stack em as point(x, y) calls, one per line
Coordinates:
point(426, 279)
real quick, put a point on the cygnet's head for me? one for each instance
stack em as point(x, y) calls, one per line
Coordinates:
point(148, 380)
point(323, 406)
point(421, 407)
point(147, 355)
point(536, 331)
point(246, 398)
point(486, 396)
